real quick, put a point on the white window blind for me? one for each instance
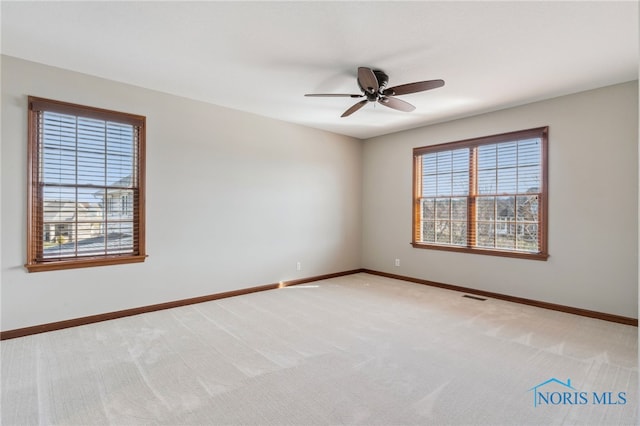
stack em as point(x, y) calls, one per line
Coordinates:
point(86, 183)
point(485, 194)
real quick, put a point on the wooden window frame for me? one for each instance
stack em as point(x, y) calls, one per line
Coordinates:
point(35, 199)
point(472, 145)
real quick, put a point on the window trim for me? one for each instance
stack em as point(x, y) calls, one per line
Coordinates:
point(543, 254)
point(34, 201)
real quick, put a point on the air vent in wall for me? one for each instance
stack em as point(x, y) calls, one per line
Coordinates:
point(474, 297)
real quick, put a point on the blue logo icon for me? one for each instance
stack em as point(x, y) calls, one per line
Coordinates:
point(557, 392)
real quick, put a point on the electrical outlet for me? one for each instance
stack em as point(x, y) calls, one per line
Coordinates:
point(299, 266)
point(397, 262)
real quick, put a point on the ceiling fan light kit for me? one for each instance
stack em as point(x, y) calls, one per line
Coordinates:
point(373, 85)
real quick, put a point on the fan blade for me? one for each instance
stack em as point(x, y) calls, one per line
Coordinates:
point(420, 86)
point(354, 108)
point(334, 95)
point(367, 80)
point(396, 104)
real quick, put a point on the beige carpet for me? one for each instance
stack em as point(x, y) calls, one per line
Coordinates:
point(359, 349)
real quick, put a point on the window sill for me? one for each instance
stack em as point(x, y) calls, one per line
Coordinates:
point(83, 263)
point(500, 253)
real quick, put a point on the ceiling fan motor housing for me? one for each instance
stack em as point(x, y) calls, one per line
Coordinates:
point(382, 79)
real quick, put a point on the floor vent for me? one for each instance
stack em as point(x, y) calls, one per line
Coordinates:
point(474, 297)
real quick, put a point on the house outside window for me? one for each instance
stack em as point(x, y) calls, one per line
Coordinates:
point(485, 195)
point(86, 186)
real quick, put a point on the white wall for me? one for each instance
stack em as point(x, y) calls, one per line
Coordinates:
point(593, 199)
point(233, 201)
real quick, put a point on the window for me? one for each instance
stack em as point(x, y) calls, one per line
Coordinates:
point(85, 186)
point(486, 195)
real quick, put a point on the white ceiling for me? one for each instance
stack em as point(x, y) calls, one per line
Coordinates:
point(262, 57)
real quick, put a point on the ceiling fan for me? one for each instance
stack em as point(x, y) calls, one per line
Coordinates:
point(373, 85)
